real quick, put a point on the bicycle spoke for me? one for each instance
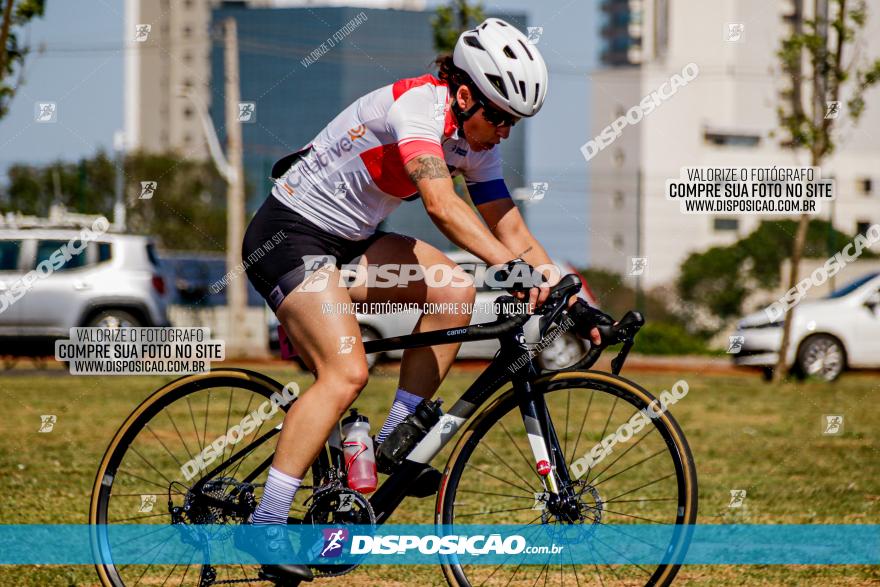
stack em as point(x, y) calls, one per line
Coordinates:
point(130, 474)
point(538, 578)
point(583, 422)
point(492, 493)
point(621, 455)
point(142, 536)
point(471, 465)
point(632, 516)
point(516, 446)
point(186, 570)
point(182, 441)
point(506, 464)
point(645, 542)
point(604, 431)
point(140, 494)
point(641, 568)
point(228, 413)
point(648, 458)
point(195, 429)
point(150, 430)
point(513, 575)
point(492, 512)
point(574, 569)
point(161, 547)
point(205, 423)
point(642, 486)
point(149, 464)
point(141, 517)
point(598, 572)
point(565, 433)
point(174, 568)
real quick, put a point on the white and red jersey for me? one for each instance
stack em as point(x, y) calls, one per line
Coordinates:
point(352, 176)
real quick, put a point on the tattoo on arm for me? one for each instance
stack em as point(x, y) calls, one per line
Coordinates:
point(427, 167)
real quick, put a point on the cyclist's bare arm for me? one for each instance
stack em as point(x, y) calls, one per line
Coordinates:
point(455, 219)
point(508, 226)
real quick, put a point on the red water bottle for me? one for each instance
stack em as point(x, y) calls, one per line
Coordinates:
point(357, 448)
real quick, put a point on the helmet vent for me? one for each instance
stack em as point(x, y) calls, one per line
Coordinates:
point(537, 92)
point(512, 81)
point(522, 89)
point(500, 22)
point(509, 52)
point(526, 49)
point(498, 83)
point(473, 41)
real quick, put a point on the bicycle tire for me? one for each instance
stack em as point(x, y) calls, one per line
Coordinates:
point(506, 404)
point(152, 406)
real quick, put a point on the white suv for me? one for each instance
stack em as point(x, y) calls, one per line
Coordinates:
point(114, 281)
point(828, 335)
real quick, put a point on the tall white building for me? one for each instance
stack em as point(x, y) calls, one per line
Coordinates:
point(173, 53)
point(725, 117)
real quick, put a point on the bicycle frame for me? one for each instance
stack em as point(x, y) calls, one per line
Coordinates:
point(507, 367)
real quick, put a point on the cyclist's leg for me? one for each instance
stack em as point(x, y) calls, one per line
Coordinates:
point(282, 278)
point(422, 369)
point(340, 369)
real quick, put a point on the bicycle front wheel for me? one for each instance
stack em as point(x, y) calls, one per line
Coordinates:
point(648, 477)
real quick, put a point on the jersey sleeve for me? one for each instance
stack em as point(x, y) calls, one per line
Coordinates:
point(412, 121)
point(484, 179)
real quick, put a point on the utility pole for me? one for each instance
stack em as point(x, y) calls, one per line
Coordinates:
point(640, 297)
point(236, 291)
point(118, 204)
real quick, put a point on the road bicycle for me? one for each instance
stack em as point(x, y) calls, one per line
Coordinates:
point(513, 463)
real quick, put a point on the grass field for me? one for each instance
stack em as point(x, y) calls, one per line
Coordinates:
point(744, 434)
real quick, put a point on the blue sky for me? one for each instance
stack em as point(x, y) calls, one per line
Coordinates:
point(80, 68)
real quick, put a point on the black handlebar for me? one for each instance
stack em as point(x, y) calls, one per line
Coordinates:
point(585, 318)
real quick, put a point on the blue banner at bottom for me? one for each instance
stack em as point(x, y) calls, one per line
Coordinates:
point(649, 544)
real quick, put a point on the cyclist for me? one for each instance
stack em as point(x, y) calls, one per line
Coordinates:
point(404, 140)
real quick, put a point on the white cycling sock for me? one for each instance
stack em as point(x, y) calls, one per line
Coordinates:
point(277, 498)
point(404, 404)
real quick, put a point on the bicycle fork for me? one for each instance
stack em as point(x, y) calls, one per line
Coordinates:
point(548, 456)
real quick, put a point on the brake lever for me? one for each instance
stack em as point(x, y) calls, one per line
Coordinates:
point(547, 320)
point(617, 362)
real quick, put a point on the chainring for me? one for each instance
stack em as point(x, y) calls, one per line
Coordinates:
point(335, 505)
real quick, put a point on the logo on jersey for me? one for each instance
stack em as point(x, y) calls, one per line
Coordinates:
point(357, 132)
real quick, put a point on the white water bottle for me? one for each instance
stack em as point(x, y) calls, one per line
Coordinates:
point(357, 448)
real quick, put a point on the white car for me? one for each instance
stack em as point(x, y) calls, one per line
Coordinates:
point(564, 351)
point(829, 335)
point(115, 280)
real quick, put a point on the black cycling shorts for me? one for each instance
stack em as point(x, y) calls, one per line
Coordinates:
point(278, 239)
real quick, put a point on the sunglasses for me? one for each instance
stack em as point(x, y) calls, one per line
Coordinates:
point(497, 117)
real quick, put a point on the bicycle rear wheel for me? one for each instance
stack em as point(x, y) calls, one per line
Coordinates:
point(147, 474)
point(648, 478)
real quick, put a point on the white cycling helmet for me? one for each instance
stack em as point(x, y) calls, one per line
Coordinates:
point(504, 66)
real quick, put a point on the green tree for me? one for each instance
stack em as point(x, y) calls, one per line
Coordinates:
point(12, 52)
point(812, 60)
point(183, 213)
point(719, 279)
point(452, 20)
